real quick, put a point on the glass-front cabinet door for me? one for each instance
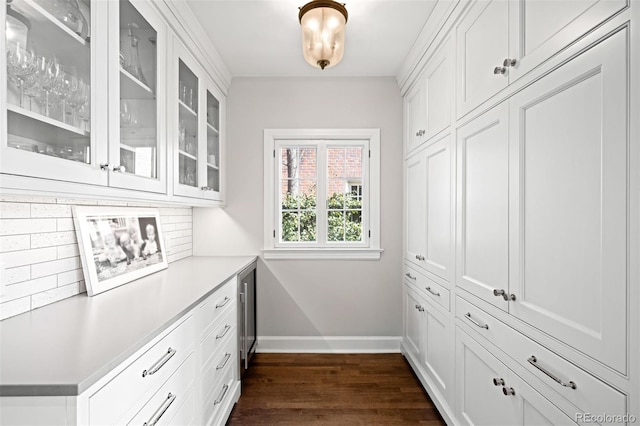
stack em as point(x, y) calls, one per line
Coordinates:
point(50, 98)
point(198, 144)
point(137, 151)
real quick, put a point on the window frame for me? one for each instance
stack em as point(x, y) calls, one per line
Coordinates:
point(274, 140)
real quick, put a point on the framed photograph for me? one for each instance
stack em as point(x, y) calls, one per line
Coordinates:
point(118, 245)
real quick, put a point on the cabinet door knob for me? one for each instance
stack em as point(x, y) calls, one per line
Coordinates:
point(509, 63)
point(499, 70)
point(506, 296)
point(105, 167)
point(508, 391)
point(419, 257)
point(498, 381)
point(120, 169)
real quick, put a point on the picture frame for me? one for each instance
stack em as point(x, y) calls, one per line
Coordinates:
point(118, 245)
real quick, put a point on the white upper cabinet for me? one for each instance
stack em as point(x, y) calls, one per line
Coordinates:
point(569, 199)
point(51, 100)
point(483, 206)
point(198, 143)
point(137, 151)
point(499, 41)
point(428, 104)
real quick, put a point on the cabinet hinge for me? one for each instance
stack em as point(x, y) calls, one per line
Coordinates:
point(369, 234)
point(369, 153)
point(274, 153)
point(274, 233)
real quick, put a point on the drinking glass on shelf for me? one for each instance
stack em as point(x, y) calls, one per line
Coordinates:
point(125, 114)
point(66, 84)
point(21, 64)
point(46, 76)
point(182, 135)
point(84, 111)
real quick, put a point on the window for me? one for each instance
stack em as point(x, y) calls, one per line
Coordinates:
point(322, 194)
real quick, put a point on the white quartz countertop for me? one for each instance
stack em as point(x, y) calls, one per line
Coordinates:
point(65, 347)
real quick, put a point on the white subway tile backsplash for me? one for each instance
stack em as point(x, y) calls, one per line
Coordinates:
point(26, 226)
point(14, 210)
point(39, 256)
point(68, 251)
point(47, 210)
point(27, 257)
point(14, 242)
point(15, 307)
point(55, 267)
point(26, 288)
point(50, 239)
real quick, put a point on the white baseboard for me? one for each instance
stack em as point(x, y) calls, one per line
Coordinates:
point(329, 344)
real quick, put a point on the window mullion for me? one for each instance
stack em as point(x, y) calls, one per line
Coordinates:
point(322, 193)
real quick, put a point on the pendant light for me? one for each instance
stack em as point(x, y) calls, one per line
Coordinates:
point(323, 23)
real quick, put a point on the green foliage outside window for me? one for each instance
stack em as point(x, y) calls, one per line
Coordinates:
point(299, 218)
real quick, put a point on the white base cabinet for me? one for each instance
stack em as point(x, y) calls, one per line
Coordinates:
point(533, 319)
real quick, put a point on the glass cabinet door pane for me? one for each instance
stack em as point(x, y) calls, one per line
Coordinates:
point(138, 103)
point(213, 143)
point(48, 51)
point(187, 126)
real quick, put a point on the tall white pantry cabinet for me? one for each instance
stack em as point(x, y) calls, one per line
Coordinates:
point(522, 186)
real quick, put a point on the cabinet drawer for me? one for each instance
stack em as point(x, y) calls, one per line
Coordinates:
point(224, 331)
point(223, 361)
point(216, 306)
point(143, 376)
point(218, 399)
point(589, 395)
point(433, 290)
point(168, 401)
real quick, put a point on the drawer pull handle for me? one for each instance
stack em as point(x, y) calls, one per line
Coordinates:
point(224, 333)
point(161, 410)
point(159, 363)
point(410, 276)
point(533, 361)
point(226, 359)
point(506, 296)
point(226, 300)
point(225, 388)
point(508, 391)
point(435, 293)
point(498, 381)
point(468, 316)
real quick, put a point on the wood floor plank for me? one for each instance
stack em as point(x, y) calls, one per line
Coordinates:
point(332, 389)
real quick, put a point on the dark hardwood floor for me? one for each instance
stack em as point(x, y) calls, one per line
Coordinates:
point(332, 389)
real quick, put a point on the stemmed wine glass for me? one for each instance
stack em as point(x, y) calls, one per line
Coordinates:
point(66, 83)
point(46, 72)
point(84, 112)
point(21, 64)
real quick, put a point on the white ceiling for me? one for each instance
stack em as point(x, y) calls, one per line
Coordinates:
point(261, 38)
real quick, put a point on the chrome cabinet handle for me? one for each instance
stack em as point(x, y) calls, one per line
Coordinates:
point(435, 293)
point(506, 296)
point(227, 327)
point(108, 167)
point(533, 361)
point(508, 391)
point(119, 169)
point(105, 167)
point(499, 70)
point(159, 363)
point(225, 388)
point(226, 300)
point(468, 316)
point(419, 257)
point(419, 308)
point(498, 381)
point(226, 359)
point(155, 418)
point(509, 63)
point(410, 276)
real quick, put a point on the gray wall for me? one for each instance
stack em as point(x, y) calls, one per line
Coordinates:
point(318, 297)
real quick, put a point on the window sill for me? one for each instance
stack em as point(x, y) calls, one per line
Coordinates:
point(323, 254)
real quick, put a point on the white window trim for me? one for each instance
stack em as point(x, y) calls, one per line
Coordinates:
point(271, 250)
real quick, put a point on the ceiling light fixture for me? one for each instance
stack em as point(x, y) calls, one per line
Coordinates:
point(323, 23)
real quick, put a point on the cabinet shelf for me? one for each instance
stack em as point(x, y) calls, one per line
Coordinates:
point(213, 129)
point(134, 88)
point(43, 119)
point(45, 21)
point(212, 166)
point(186, 108)
point(186, 154)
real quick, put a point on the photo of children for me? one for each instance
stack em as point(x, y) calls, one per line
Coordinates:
point(123, 244)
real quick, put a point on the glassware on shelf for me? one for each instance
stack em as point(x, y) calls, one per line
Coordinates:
point(125, 114)
point(68, 12)
point(182, 136)
point(66, 84)
point(84, 110)
point(134, 67)
point(17, 27)
point(21, 64)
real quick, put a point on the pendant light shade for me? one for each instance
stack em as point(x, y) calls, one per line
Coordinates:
point(323, 25)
